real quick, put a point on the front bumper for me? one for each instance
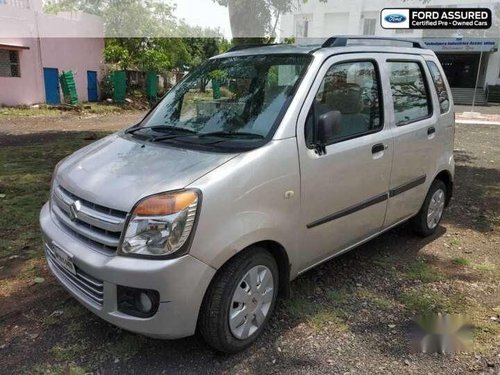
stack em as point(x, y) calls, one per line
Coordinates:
point(181, 282)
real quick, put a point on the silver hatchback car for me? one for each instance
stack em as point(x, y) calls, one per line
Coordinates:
point(259, 165)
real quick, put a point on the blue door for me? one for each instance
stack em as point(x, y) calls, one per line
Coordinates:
point(51, 78)
point(92, 85)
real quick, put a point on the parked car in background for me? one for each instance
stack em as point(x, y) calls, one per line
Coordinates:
point(261, 164)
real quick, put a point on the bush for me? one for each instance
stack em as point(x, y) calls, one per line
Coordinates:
point(106, 86)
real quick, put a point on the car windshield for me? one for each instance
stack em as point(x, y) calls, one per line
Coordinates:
point(227, 101)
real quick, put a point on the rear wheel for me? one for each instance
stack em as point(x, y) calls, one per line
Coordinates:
point(427, 220)
point(240, 301)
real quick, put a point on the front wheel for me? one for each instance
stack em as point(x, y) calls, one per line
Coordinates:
point(427, 220)
point(240, 301)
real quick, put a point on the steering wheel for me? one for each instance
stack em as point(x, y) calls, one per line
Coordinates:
point(233, 118)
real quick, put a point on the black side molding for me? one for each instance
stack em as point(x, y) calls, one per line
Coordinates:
point(370, 202)
point(407, 186)
point(349, 210)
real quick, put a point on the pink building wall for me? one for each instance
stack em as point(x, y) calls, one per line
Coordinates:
point(67, 41)
point(28, 88)
point(76, 54)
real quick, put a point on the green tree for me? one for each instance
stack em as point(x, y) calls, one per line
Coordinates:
point(117, 55)
point(124, 18)
point(257, 18)
point(155, 43)
point(161, 54)
point(255, 21)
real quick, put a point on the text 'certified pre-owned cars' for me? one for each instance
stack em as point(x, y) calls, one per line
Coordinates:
point(259, 165)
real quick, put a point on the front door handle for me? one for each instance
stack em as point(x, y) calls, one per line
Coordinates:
point(431, 130)
point(379, 147)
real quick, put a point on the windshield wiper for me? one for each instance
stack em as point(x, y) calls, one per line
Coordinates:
point(170, 136)
point(227, 134)
point(159, 128)
point(133, 129)
point(219, 134)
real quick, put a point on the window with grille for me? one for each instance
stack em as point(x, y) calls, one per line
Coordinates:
point(9, 63)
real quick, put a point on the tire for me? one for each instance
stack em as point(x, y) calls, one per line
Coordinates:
point(218, 303)
point(420, 224)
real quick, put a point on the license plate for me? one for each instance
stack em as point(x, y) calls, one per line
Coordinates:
point(63, 259)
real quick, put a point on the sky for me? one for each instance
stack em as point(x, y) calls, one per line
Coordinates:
point(205, 13)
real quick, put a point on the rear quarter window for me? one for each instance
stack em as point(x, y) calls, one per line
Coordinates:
point(442, 93)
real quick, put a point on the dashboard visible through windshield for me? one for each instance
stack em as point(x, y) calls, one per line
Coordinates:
point(232, 102)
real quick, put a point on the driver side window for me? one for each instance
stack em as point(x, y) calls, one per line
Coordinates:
point(352, 89)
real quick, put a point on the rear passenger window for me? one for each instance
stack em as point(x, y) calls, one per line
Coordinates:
point(444, 101)
point(409, 92)
point(351, 88)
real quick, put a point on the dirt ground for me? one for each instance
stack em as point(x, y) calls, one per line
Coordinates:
point(69, 121)
point(351, 315)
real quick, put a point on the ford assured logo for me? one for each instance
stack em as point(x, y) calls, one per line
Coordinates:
point(395, 18)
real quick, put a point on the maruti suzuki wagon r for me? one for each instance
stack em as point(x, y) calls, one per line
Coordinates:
point(259, 165)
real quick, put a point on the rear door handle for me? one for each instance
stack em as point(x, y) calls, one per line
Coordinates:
point(379, 147)
point(431, 130)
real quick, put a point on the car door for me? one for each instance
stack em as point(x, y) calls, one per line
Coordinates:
point(416, 146)
point(344, 183)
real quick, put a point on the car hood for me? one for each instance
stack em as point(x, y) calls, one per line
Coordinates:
point(118, 170)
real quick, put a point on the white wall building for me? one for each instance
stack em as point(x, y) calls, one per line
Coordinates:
point(461, 52)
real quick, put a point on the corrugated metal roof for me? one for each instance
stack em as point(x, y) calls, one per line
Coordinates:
point(12, 46)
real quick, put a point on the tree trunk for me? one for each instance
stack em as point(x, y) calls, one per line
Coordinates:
point(248, 19)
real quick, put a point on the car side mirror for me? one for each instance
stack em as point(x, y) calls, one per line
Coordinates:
point(328, 126)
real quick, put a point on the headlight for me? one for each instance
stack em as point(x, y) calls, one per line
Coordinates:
point(54, 172)
point(52, 179)
point(160, 225)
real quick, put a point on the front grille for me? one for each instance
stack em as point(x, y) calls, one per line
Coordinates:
point(87, 286)
point(99, 226)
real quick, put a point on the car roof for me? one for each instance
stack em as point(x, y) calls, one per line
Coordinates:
point(270, 49)
point(335, 45)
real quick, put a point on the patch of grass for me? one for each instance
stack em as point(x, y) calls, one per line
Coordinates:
point(332, 318)
point(126, 346)
point(72, 314)
point(31, 269)
point(57, 369)
point(486, 267)
point(45, 111)
point(69, 352)
point(380, 301)
point(102, 108)
point(388, 265)
point(318, 314)
point(338, 297)
point(488, 270)
point(425, 300)
point(42, 111)
point(25, 174)
point(299, 307)
point(460, 261)
point(454, 242)
point(420, 270)
point(486, 336)
point(26, 275)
